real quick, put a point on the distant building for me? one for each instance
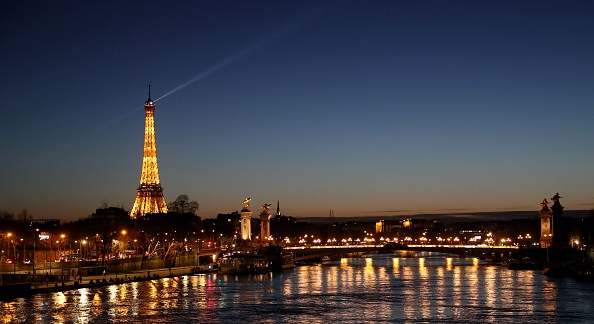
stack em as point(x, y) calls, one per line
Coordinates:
point(228, 224)
point(388, 226)
point(111, 213)
point(44, 223)
point(393, 226)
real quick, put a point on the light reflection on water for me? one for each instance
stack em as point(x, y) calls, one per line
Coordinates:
point(426, 289)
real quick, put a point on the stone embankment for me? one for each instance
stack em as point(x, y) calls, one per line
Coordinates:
point(17, 290)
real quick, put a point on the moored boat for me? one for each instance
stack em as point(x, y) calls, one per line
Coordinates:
point(243, 263)
point(282, 262)
point(278, 259)
point(522, 264)
point(206, 268)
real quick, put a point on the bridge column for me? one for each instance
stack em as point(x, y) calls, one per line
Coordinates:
point(246, 224)
point(546, 230)
point(264, 227)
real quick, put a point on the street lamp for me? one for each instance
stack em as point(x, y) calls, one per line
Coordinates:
point(9, 235)
point(123, 232)
point(84, 242)
point(62, 236)
point(8, 241)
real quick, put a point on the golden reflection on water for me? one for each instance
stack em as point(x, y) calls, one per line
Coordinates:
point(426, 292)
point(205, 285)
point(314, 284)
point(97, 299)
point(172, 291)
point(491, 292)
point(455, 286)
point(134, 305)
point(202, 300)
point(334, 277)
point(83, 305)
point(524, 279)
point(153, 300)
point(118, 293)
point(123, 289)
point(166, 282)
point(440, 290)
point(533, 290)
point(369, 270)
point(9, 310)
point(383, 275)
point(550, 297)
point(416, 299)
point(59, 299)
point(422, 268)
point(59, 303)
point(84, 295)
point(471, 280)
point(409, 291)
point(95, 305)
point(368, 262)
point(153, 291)
point(113, 292)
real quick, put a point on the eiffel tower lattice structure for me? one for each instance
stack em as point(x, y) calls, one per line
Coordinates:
point(150, 197)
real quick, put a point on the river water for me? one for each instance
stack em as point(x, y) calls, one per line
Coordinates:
point(362, 290)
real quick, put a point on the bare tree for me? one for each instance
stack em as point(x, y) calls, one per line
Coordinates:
point(183, 205)
point(172, 252)
point(24, 215)
point(150, 245)
point(6, 216)
point(103, 204)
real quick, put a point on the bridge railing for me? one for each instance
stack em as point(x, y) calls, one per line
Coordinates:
point(332, 247)
point(503, 247)
point(460, 246)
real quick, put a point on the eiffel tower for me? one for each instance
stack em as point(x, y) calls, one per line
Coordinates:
point(150, 194)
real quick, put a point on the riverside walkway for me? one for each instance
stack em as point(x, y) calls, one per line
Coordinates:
point(96, 281)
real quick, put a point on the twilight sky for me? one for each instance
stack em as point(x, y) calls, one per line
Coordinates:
point(362, 107)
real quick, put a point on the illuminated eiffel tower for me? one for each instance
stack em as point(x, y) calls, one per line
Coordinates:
point(150, 194)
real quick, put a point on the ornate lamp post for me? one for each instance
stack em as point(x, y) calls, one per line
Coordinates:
point(83, 251)
point(124, 232)
point(9, 236)
point(62, 237)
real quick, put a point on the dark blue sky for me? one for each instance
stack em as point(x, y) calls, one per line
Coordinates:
point(362, 107)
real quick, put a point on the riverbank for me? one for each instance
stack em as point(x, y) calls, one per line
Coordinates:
point(8, 292)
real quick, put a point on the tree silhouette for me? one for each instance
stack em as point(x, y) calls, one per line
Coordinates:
point(183, 205)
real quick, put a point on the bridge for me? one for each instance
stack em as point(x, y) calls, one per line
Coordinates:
point(302, 253)
point(317, 252)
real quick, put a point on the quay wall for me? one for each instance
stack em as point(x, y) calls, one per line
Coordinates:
point(60, 271)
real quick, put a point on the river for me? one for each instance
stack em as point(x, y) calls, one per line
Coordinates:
point(359, 290)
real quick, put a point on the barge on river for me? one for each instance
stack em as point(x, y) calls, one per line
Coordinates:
point(271, 258)
point(243, 263)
